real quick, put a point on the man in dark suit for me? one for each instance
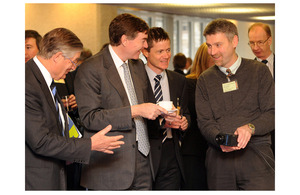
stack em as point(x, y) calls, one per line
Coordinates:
point(260, 41)
point(47, 145)
point(106, 93)
point(165, 137)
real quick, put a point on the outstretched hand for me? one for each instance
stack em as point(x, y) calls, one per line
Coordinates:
point(103, 143)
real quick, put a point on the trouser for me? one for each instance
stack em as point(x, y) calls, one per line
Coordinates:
point(142, 178)
point(251, 168)
point(168, 176)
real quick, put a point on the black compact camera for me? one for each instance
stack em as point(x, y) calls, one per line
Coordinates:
point(226, 139)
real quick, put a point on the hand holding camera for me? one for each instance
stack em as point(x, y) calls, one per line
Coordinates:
point(239, 140)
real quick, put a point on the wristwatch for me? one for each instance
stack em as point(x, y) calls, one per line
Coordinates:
point(252, 127)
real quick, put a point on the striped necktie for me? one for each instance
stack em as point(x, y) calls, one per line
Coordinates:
point(55, 95)
point(157, 88)
point(141, 130)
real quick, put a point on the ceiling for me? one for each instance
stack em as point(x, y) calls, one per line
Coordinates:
point(237, 11)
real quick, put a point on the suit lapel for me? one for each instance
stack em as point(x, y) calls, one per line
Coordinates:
point(114, 78)
point(38, 75)
point(40, 78)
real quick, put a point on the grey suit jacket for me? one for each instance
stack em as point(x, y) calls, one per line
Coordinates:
point(177, 87)
point(102, 100)
point(45, 147)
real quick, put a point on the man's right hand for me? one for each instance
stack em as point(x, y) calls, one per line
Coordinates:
point(103, 143)
point(147, 110)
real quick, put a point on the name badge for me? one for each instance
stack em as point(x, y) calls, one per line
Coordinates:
point(230, 86)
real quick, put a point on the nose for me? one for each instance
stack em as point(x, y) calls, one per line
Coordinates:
point(212, 51)
point(145, 44)
point(255, 47)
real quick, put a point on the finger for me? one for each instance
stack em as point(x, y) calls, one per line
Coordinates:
point(106, 129)
point(116, 143)
point(161, 109)
point(108, 151)
point(117, 138)
point(113, 147)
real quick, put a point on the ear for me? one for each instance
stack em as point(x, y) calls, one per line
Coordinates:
point(56, 57)
point(270, 41)
point(124, 40)
point(145, 52)
point(235, 41)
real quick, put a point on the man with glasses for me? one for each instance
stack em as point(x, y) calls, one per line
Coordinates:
point(260, 40)
point(47, 142)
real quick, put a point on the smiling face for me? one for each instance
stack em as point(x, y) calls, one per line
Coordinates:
point(159, 56)
point(133, 47)
point(221, 49)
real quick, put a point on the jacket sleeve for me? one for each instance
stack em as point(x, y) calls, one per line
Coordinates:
point(42, 136)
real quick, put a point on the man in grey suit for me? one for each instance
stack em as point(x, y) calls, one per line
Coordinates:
point(111, 89)
point(47, 145)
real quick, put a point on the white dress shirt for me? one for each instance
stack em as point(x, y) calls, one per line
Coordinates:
point(270, 63)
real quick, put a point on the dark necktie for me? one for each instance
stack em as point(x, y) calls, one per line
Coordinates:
point(157, 89)
point(265, 61)
point(55, 95)
point(141, 130)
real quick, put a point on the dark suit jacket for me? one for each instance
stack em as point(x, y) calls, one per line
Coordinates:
point(45, 147)
point(102, 100)
point(177, 87)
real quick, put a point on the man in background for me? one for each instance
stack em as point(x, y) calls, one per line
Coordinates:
point(179, 62)
point(32, 41)
point(260, 41)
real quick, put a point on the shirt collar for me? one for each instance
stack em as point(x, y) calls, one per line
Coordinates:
point(152, 74)
point(234, 66)
point(269, 59)
point(118, 62)
point(44, 71)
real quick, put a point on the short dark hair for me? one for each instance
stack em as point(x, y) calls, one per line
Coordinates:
point(221, 25)
point(179, 61)
point(60, 40)
point(34, 34)
point(126, 24)
point(156, 34)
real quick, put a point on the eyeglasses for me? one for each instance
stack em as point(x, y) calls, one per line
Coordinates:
point(258, 43)
point(75, 64)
